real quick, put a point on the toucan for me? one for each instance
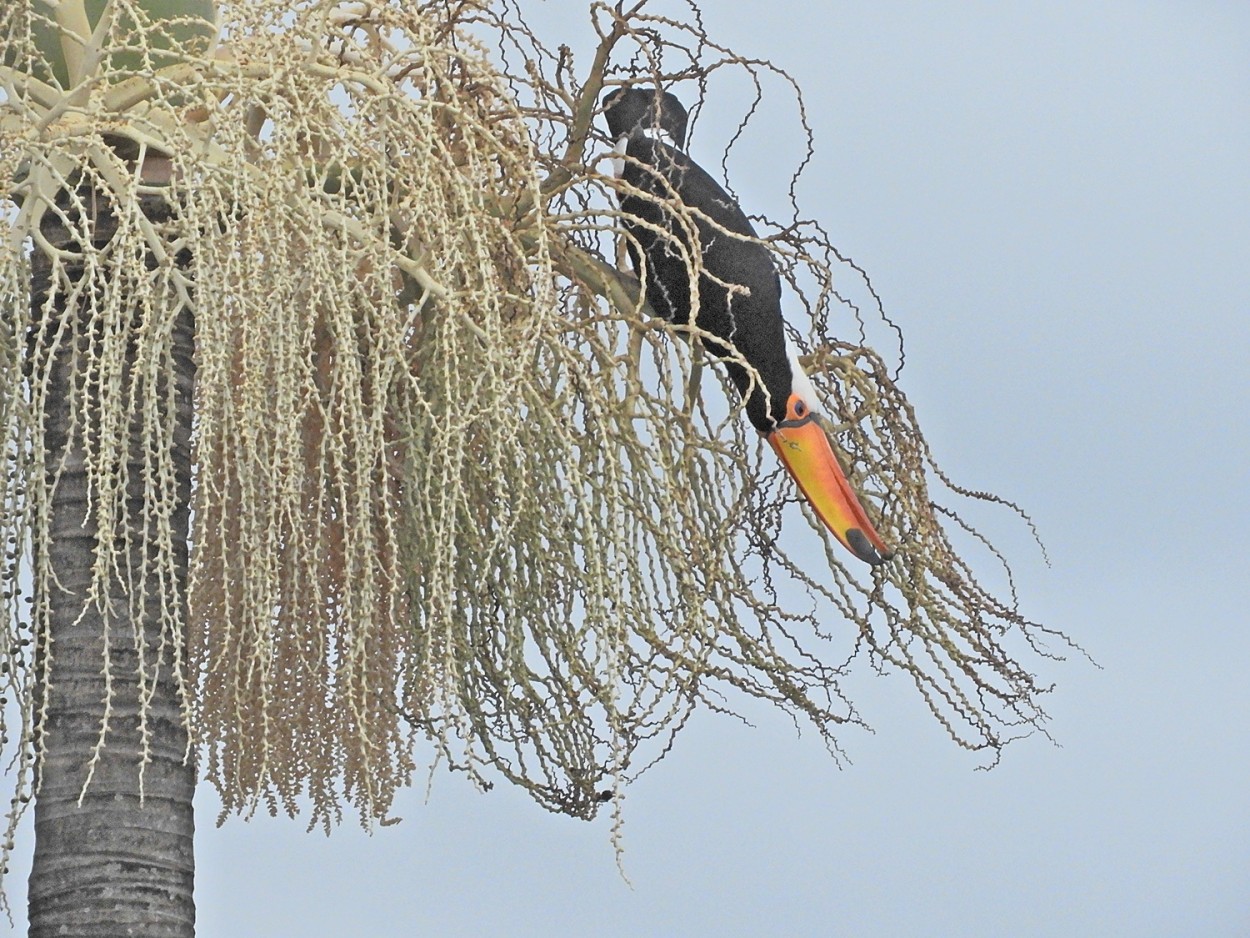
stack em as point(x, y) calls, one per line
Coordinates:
point(739, 297)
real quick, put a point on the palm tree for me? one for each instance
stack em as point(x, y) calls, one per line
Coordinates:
point(329, 429)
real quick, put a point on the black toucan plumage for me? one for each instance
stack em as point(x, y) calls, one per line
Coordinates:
point(738, 293)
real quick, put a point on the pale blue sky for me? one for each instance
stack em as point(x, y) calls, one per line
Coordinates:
point(1054, 202)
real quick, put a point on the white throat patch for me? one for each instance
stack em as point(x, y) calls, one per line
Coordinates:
point(618, 156)
point(800, 384)
point(666, 138)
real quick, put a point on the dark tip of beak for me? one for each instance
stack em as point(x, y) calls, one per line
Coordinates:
point(863, 548)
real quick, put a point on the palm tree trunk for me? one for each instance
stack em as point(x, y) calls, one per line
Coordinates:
point(114, 857)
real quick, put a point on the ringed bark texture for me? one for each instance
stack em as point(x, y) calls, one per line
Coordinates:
point(115, 856)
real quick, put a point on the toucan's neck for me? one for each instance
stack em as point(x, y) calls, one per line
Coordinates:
point(622, 145)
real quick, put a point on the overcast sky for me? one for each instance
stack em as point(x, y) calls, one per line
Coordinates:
point(1054, 202)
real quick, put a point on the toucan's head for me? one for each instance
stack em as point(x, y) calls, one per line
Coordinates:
point(649, 110)
point(789, 424)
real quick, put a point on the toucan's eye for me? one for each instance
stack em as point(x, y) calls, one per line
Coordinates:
point(800, 409)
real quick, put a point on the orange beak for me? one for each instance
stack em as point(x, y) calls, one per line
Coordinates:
point(804, 449)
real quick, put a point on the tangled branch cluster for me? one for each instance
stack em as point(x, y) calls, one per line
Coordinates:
point(452, 482)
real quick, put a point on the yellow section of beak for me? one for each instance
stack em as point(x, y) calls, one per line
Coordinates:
point(805, 451)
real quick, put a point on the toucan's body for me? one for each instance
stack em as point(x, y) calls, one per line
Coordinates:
point(738, 296)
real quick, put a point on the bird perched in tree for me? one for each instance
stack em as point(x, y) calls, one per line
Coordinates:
point(738, 295)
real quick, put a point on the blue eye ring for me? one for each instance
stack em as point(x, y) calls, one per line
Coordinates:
point(800, 409)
